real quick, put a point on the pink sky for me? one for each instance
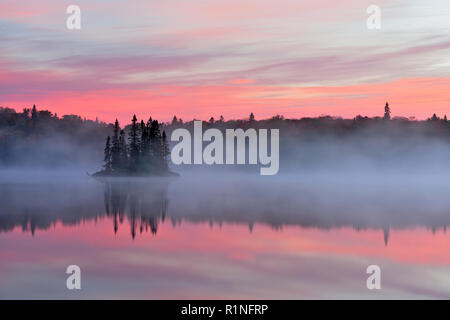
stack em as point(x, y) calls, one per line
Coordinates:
point(201, 58)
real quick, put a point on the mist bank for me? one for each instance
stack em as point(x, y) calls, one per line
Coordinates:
point(326, 201)
point(40, 140)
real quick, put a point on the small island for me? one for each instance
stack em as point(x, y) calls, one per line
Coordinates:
point(145, 154)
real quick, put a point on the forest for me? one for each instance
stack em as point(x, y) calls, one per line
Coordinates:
point(41, 139)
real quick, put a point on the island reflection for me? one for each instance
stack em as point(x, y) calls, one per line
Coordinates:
point(144, 204)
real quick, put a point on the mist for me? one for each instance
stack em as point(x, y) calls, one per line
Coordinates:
point(363, 173)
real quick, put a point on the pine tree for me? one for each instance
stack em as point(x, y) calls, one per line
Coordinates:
point(252, 117)
point(107, 152)
point(123, 152)
point(115, 148)
point(148, 142)
point(174, 120)
point(34, 113)
point(27, 121)
point(34, 117)
point(155, 139)
point(165, 151)
point(387, 112)
point(155, 146)
point(144, 143)
point(134, 142)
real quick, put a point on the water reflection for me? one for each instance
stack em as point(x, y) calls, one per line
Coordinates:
point(144, 204)
point(224, 236)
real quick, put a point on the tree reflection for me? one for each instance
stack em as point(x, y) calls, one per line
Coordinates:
point(144, 204)
point(141, 205)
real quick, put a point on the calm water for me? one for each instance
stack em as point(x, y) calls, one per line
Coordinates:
point(227, 236)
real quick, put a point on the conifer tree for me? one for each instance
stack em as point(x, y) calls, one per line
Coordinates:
point(123, 152)
point(34, 117)
point(115, 148)
point(107, 152)
point(34, 114)
point(144, 142)
point(134, 142)
point(155, 139)
point(387, 112)
point(165, 151)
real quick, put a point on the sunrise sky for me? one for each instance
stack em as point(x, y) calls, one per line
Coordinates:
point(203, 58)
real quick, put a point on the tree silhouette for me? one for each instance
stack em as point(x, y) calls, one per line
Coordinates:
point(107, 154)
point(155, 139)
point(34, 118)
point(146, 153)
point(434, 117)
point(252, 117)
point(134, 142)
point(34, 113)
point(165, 150)
point(123, 152)
point(115, 148)
point(387, 112)
point(144, 141)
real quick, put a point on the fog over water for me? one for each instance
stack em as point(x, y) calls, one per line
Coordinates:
point(225, 235)
point(336, 206)
point(320, 199)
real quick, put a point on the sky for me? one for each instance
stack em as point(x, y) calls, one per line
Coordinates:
point(203, 58)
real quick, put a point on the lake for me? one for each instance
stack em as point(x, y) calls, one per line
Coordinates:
point(227, 235)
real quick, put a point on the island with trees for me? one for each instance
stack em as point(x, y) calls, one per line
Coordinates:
point(144, 151)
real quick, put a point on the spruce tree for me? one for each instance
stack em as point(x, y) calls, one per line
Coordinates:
point(115, 148)
point(155, 138)
point(165, 151)
point(155, 145)
point(107, 157)
point(34, 114)
point(387, 112)
point(144, 144)
point(134, 143)
point(34, 117)
point(123, 152)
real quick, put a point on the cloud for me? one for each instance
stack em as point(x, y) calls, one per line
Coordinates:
point(202, 58)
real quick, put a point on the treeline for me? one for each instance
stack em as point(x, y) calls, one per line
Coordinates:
point(146, 152)
point(40, 138)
